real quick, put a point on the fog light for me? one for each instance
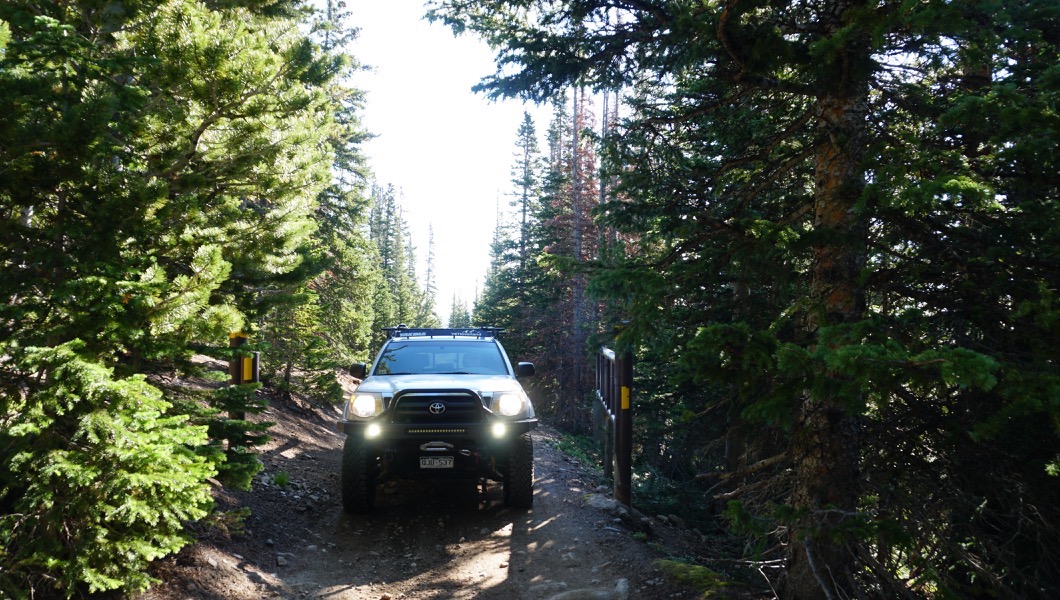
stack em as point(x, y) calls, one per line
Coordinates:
point(373, 431)
point(499, 429)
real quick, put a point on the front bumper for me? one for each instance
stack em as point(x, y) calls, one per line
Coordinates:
point(465, 436)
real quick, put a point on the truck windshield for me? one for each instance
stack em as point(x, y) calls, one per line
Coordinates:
point(442, 357)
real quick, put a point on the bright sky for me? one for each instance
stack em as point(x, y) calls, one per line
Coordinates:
point(448, 151)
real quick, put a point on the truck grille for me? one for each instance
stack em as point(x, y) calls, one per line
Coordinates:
point(429, 410)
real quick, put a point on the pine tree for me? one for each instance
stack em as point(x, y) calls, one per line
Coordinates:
point(498, 304)
point(161, 166)
point(459, 315)
point(402, 300)
point(525, 180)
point(562, 318)
point(327, 321)
point(806, 188)
point(427, 316)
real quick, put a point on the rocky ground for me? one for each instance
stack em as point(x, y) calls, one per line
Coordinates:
point(425, 540)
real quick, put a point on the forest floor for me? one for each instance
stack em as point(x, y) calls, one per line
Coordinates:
point(430, 540)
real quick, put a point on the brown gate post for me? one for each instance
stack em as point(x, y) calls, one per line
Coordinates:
point(237, 371)
point(235, 363)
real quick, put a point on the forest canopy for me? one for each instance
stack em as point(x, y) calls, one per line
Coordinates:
point(172, 174)
point(828, 230)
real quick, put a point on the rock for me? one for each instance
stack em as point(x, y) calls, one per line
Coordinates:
point(547, 589)
point(678, 521)
point(601, 502)
point(619, 592)
point(281, 561)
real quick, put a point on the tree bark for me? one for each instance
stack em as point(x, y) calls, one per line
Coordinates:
point(825, 446)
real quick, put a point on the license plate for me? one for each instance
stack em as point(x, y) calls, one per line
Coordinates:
point(436, 462)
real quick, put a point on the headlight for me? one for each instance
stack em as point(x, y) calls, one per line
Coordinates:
point(508, 404)
point(364, 405)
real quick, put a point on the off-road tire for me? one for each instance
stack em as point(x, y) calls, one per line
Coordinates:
point(358, 476)
point(519, 475)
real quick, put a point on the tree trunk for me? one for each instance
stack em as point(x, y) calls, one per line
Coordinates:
point(825, 446)
point(287, 370)
point(578, 372)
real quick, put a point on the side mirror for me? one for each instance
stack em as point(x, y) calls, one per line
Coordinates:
point(359, 370)
point(525, 369)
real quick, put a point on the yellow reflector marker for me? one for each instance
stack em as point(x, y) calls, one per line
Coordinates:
point(625, 397)
point(248, 369)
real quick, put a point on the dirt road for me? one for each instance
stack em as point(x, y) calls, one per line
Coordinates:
point(425, 540)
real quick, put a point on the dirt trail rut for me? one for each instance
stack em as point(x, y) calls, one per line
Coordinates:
point(425, 540)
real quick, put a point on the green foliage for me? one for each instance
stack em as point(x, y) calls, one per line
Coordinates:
point(459, 316)
point(282, 479)
point(97, 478)
point(775, 263)
point(228, 522)
point(325, 318)
point(581, 447)
point(236, 436)
point(171, 174)
point(536, 287)
point(699, 579)
point(399, 298)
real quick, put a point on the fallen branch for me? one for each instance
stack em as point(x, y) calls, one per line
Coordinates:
point(754, 468)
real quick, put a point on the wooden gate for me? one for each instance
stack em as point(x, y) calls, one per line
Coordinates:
point(614, 418)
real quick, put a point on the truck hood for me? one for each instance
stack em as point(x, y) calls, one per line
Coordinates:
point(387, 385)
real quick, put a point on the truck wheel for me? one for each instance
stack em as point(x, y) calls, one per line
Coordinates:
point(358, 476)
point(519, 476)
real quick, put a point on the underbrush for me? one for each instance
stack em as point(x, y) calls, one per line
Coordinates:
point(653, 493)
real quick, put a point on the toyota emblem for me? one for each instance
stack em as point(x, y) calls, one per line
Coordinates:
point(436, 408)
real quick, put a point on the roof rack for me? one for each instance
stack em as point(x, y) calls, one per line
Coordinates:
point(409, 332)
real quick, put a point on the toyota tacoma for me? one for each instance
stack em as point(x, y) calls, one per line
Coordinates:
point(438, 403)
